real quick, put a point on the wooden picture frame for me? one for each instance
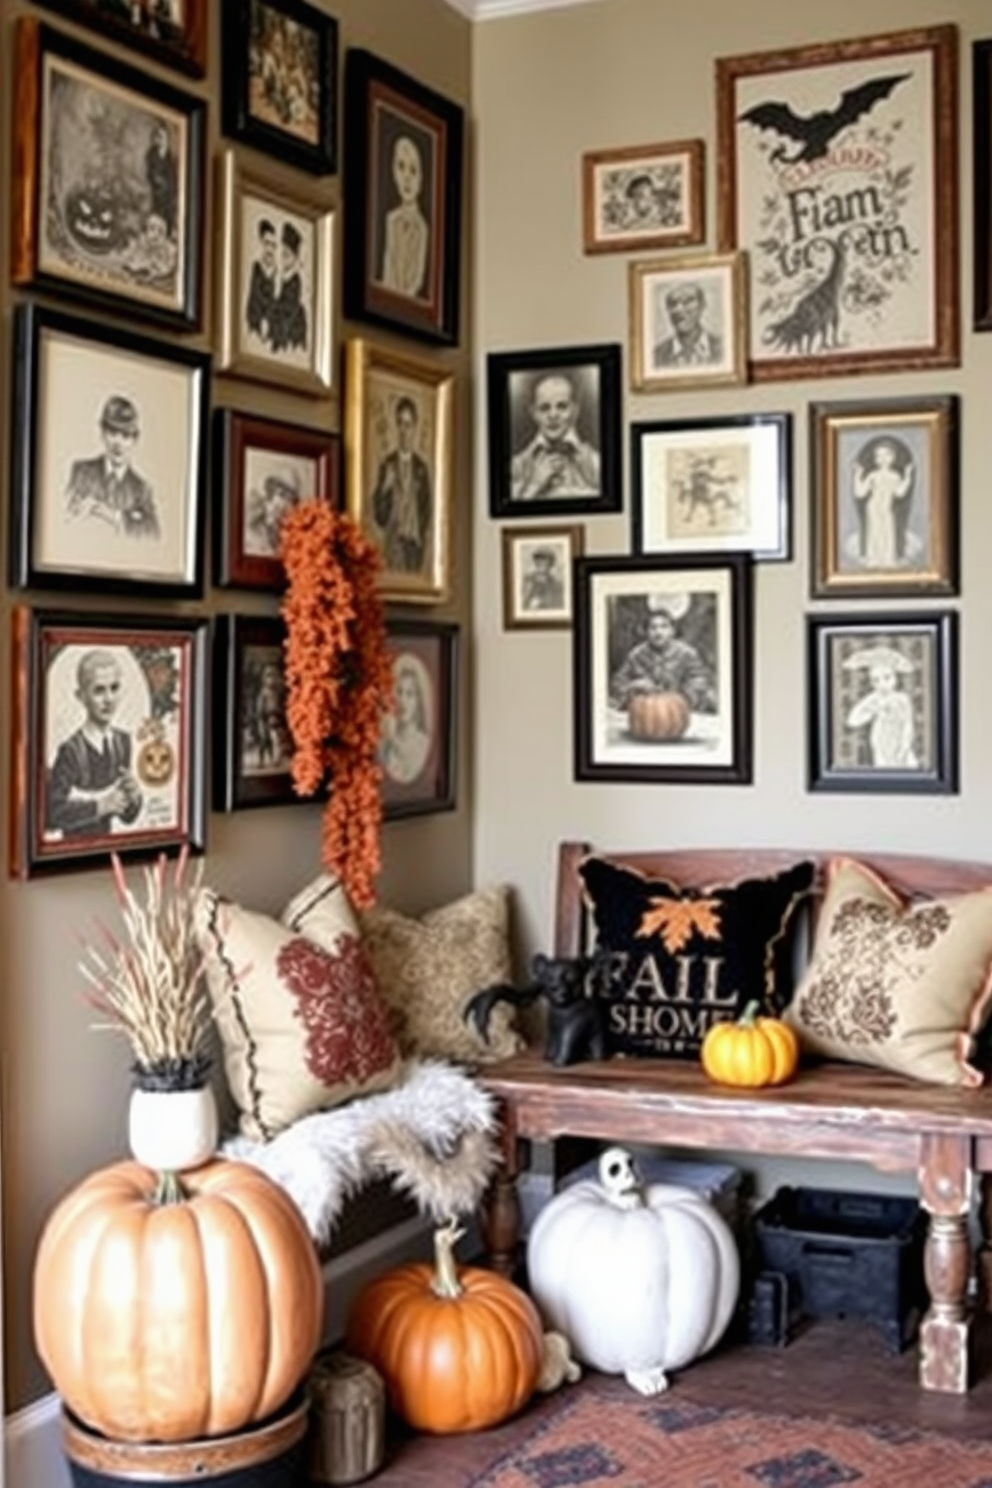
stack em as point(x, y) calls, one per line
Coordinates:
point(712, 485)
point(108, 459)
point(644, 197)
point(279, 82)
point(838, 176)
point(982, 93)
point(676, 705)
point(418, 748)
point(109, 736)
point(253, 748)
point(398, 420)
point(537, 576)
point(883, 703)
point(275, 300)
point(403, 186)
point(264, 468)
point(688, 322)
point(885, 500)
point(554, 431)
point(177, 41)
point(107, 200)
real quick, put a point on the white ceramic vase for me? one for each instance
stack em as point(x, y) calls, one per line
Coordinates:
point(170, 1130)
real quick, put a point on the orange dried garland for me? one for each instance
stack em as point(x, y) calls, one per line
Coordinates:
point(338, 684)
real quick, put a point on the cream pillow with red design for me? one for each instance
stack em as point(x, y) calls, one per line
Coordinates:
point(302, 1025)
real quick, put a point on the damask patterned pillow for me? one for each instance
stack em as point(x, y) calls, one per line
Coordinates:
point(904, 986)
point(302, 1025)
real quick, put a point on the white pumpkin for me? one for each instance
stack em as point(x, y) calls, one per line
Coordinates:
point(640, 1279)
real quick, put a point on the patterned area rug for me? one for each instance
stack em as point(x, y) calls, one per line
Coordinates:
point(665, 1443)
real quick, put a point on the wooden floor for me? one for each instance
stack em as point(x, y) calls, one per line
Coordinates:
point(831, 1368)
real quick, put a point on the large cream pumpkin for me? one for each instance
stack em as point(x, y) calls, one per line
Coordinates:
point(165, 1313)
point(640, 1279)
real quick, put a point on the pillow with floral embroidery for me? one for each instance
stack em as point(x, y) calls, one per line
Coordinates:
point(902, 985)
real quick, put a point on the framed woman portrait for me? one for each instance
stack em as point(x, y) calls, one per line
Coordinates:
point(883, 703)
point(885, 498)
point(688, 325)
point(253, 748)
point(108, 740)
point(417, 752)
point(279, 88)
point(643, 196)
point(537, 576)
point(107, 192)
point(403, 185)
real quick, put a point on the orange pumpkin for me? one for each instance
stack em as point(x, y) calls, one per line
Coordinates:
point(657, 715)
point(459, 1349)
point(166, 1314)
point(751, 1052)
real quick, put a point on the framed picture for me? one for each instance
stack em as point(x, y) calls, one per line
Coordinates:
point(174, 32)
point(398, 462)
point(982, 73)
point(107, 198)
point(838, 176)
point(108, 458)
point(663, 664)
point(253, 748)
point(647, 196)
point(418, 739)
point(264, 469)
point(108, 740)
point(537, 576)
point(554, 431)
point(279, 86)
point(275, 303)
point(885, 498)
point(688, 322)
point(713, 485)
point(403, 186)
point(883, 703)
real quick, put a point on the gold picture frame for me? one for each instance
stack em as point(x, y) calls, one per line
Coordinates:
point(537, 576)
point(688, 322)
point(643, 197)
point(398, 444)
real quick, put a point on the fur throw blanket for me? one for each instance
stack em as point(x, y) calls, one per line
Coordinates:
point(432, 1134)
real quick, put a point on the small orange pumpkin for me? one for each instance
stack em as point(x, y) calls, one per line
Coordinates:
point(459, 1348)
point(657, 715)
point(753, 1051)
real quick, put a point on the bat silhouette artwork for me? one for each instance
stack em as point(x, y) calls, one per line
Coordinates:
point(815, 132)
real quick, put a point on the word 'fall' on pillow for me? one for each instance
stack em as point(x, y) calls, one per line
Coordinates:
point(682, 959)
point(904, 986)
point(302, 1026)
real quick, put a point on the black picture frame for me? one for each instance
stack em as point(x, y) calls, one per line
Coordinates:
point(982, 80)
point(419, 773)
point(523, 488)
point(77, 560)
point(916, 743)
point(416, 290)
point(158, 666)
point(182, 45)
point(252, 747)
point(240, 116)
point(695, 728)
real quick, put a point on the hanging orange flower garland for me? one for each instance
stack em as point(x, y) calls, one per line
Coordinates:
point(338, 684)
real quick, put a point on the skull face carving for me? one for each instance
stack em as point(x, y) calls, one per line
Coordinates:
point(619, 1176)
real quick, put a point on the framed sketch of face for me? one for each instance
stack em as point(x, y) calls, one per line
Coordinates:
point(275, 305)
point(172, 31)
point(279, 90)
point(253, 748)
point(108, 738)
point(107, 194)
point(885, 498)
point(644, 196)
point(883, 703)
point(108, 458)
point(537, 576)
point(687, 322)
point(417, 752)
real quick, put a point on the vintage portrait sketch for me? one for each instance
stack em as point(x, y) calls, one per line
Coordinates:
point(284, 73)
point(687, 321)
point(405, 185)
point(648, 196)
point(266, 744)
point(277, 290)
point(399, 510)
point(884, 494)
point(883, 702)
point(409, 730)
point(273, 481)
point(554, 434)
point(663, 643)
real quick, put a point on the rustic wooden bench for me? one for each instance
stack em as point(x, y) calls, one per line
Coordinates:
point(829, 1110)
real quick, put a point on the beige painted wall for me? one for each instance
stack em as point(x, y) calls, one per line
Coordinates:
point(65, 1088)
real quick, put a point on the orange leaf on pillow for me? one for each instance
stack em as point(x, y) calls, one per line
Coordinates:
point(675, 920)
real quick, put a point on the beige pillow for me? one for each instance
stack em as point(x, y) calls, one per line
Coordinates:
point(428, 968)
point(301, 1025)
point(902, 986)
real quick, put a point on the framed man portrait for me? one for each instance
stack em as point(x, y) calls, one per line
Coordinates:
point(554, 431)
point(253, 748)
point(108, 458)
point(403, 186)
point(537, 576)
point(417, 752)
point(275, 300)
point(398, 462)
point(982, 109)
point(687, 322)
point(171, 31)
point(108, 738)
point(279, 88)
point(885, 498)
point(663, 669)
point(107, 191)
point(643, 196)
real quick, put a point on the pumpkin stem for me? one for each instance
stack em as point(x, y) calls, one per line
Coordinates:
point(747, 1017)
point(445, 1282)
point(169, 1190)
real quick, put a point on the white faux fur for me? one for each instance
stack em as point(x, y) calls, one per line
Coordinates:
point(433, 1135)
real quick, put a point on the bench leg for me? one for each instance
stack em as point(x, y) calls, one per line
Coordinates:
point(946, 1182)
point(500, 1215)
point(984, 1258)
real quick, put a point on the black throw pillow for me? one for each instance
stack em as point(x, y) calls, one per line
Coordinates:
point(683, 959)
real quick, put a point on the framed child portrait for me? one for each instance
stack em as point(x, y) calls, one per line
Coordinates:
point(643, 196)
point(108, 738)
point(537, 576)
point(279, 88)
point(417, 753)
point(403, 186)
point(253, 748)
point(688, 324)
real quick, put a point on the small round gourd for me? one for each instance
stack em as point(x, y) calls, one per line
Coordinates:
point(751, 1052)
point(657, 715)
